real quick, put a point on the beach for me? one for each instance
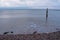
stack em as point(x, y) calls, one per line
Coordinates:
point(36, 36)
point(23, 24)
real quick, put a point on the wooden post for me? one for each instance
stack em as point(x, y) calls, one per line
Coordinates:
point(46, 14)
point(47, 18)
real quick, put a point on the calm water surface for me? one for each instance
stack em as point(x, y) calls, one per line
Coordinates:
point(28, 21)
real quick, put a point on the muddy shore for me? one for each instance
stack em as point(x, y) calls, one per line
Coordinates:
point(37, 36)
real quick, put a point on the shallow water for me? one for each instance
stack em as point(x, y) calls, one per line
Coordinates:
point(28, 21)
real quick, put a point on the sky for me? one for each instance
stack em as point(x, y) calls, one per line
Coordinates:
point(35, 4)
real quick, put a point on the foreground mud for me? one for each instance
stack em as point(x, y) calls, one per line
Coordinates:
point(40, 36)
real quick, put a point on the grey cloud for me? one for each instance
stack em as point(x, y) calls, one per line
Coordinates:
point(30, 3)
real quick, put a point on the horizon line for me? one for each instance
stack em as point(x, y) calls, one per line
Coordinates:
point(23, 8)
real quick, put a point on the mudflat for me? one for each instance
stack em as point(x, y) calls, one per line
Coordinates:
point(37, 36)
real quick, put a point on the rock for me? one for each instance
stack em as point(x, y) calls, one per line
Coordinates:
point(11, 31)
point(5, 32)
point(34, 32)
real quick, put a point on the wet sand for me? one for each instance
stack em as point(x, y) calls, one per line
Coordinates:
point(17, 24)
point(29, 25)
point(36, 36)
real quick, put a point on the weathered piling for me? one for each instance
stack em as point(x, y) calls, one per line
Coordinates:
point(46, 18)
point(46, 13)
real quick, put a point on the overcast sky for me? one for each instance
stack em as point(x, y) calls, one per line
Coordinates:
point(31, 3)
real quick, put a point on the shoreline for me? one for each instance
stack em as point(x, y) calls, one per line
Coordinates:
point(37, 36)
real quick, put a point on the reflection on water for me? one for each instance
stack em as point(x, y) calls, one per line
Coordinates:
point(28, 21)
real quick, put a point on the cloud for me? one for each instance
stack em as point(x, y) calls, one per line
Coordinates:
point(30, 3)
